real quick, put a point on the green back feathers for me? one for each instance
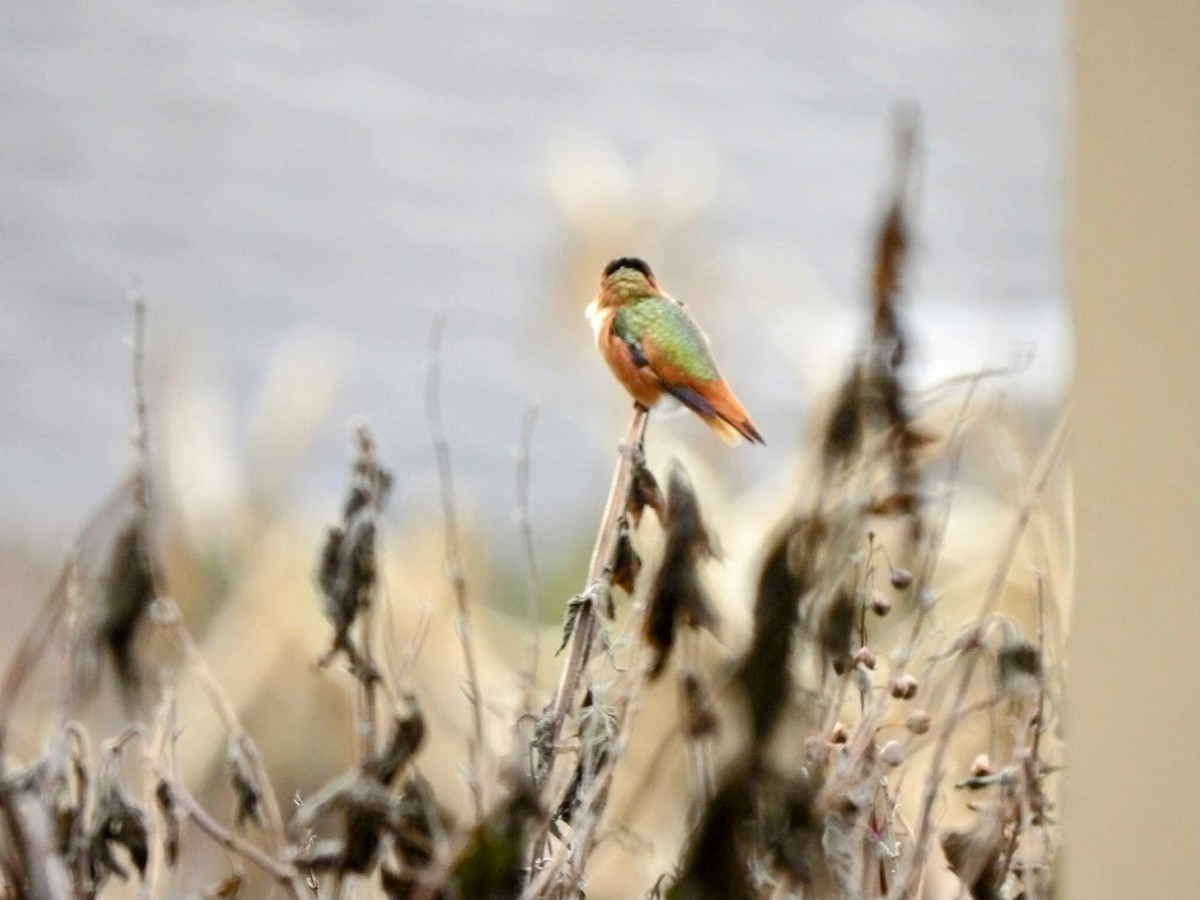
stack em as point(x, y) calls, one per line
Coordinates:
point(666, 325)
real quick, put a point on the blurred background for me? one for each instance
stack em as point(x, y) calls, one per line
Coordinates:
point(296, 189)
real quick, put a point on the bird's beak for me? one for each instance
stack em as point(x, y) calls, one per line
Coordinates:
point(591, 308)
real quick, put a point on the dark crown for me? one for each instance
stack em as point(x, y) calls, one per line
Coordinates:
point(628, 262)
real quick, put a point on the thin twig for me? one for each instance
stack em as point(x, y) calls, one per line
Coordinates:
point(454, 563)
point(525, 527)
point(141, 430)
point(284, 873)
point(168, 615)
point(67, 680)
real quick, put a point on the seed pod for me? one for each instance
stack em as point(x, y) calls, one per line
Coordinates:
point(903, 687)
point(981, 766)
point(865, 657)
point(919, 722)
point(880, 604)
point(901, 579)
point(839, 735)
point(892, 754)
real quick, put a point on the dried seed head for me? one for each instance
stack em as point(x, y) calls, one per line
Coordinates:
point(901, 579)
point(880, 604)
point(919, 722)
point(840, 734)
point(903, 687)
point(865, 657)
point(981, 766)
point(892, 754)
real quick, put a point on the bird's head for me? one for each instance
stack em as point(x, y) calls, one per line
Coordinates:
point(623, 280)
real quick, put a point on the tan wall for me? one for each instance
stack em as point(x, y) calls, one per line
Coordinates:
point(1133, 783)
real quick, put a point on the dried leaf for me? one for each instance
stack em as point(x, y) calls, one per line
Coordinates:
point(843, 436)
point(407, 735)
point(976, 855)
point(646, 492)
point(118, 820)
point(716, 863)
point(787, 574)
point(492, 865)
point(837, 630)
point(626, 563)
point(677, 596)
point(129, 591)
point(241, 778)
point(346, 568)
point(170, 816)
point(569, 620)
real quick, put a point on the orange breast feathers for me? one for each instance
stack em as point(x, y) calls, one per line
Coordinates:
point(641, 382)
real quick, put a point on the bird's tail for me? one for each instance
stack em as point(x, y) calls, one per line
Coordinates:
point(715, 403)
point(730, 421)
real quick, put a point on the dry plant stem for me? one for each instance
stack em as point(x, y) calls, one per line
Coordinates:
point(454, 563)
point(157, 751)
point(597, 586)
point(1046, 466)
point(369, 725)
point(282, 872)
point(216, 696)
point(525, 527)
point(70, 627)
point(141, 434)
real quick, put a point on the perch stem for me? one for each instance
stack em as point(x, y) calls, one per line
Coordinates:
point(598, 580)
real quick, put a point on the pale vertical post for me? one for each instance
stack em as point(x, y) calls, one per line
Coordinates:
point(1132, 803)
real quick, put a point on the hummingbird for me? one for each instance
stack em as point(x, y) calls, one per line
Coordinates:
point(655, 348)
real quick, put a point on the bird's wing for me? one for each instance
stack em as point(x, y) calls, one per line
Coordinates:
point(661, 334)
point(663, 339)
